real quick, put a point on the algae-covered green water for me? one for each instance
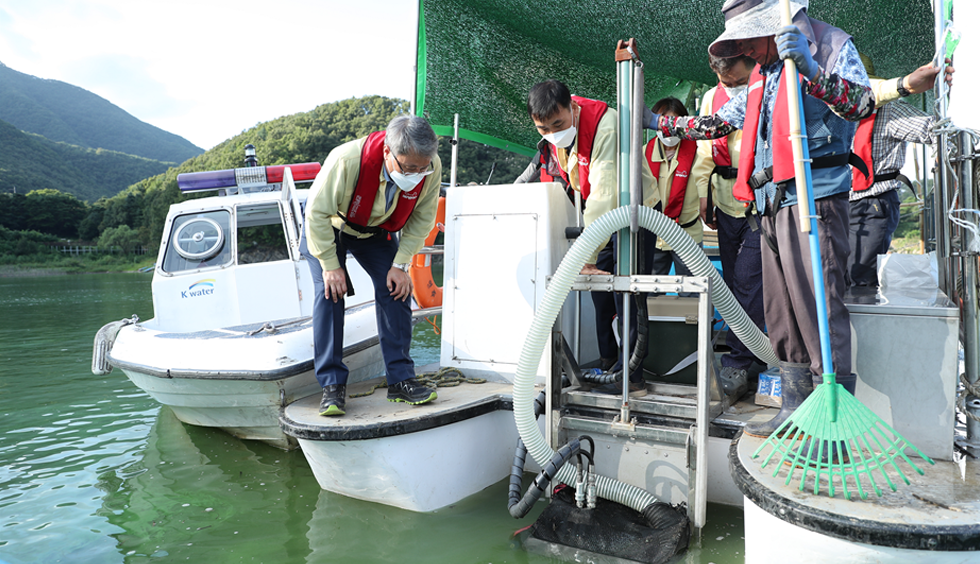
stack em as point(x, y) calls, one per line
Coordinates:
point(92, 470)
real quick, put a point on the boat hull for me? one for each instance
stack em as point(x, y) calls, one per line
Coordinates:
point(237, 379)
point(934, 518)
point(417, 458)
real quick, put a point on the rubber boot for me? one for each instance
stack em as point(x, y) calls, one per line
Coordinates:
point(796, 385)
point(849, 382)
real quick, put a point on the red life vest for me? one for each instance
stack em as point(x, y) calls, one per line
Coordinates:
point(366, 189)
point(862, 148)
point(588, 121)
point(719, 147)
point(782, 149)
point(678, 186)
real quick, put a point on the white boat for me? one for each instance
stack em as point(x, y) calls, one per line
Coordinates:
point(231, 341)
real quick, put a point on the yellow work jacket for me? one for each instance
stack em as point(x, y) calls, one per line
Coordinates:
point(885, 90)
point(331, 193)
point(604, 189)
point(692, 203)
point(721, 195)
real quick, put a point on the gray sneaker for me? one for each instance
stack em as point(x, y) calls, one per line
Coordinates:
point(734, 381)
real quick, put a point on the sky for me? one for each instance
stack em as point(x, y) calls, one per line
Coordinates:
point(209, 69)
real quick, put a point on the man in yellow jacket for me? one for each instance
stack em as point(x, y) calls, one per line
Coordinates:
point(579, 150)
point(375, 197)
point(738, 243)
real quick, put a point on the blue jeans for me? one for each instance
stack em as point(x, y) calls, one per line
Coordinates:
point(375, 255)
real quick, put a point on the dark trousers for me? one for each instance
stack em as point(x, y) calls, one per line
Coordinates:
point(741, 265)
point(603, 301)
point(605, 307)
point(873, 222)
point(663, 260)
point(787, 275)
point(375, 255)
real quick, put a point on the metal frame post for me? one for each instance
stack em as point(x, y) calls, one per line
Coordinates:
point(971, 330)
point(941, 195)
point(628, 71)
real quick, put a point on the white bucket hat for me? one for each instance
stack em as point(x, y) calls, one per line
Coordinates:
point(745, 19)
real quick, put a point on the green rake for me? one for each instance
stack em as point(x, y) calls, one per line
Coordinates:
point(831, 436)
point(834, 438)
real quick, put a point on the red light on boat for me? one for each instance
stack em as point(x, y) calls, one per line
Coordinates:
point(301, 172)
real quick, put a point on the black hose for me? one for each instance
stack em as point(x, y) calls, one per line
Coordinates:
point(520, 506)
point(639, 349)
point(520, 458)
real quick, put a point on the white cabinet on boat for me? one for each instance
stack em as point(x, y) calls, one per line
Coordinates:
point(502, 245)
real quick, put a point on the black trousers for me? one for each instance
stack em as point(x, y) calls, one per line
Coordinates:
point(873, 222)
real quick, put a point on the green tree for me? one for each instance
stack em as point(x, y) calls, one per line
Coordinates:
point(13, 211)
point(88, 229)
point(53, 211)
point(124, 237)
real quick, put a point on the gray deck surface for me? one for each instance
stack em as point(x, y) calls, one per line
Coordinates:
point(375, 409)
point(948, 494)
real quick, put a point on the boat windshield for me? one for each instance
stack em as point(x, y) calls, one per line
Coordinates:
point(199, 240)
point(261, 237)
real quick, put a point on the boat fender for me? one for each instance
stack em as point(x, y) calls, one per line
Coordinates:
point(104, 340)
point(424, 288)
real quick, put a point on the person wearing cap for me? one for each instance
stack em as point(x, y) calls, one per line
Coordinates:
point(738, 244)
point(672, 161)
point(835, 95)
point(881, 142)
point(375, 197)
point(579, 150)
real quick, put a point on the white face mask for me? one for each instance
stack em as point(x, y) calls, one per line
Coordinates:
point(668, 141)
point(408, 181)
point(732, 92)
point(561, 139)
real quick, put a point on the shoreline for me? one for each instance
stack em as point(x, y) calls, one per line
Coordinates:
point(9, 271)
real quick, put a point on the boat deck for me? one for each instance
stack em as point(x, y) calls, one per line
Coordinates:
point(939, 509)
point(373, 416)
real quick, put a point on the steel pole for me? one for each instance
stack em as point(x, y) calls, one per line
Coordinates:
point(940, 198)
point(971, 331)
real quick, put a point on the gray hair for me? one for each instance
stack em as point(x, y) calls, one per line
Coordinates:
point(411, 135)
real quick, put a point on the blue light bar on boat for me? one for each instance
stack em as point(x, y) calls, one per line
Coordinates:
point(246, 176)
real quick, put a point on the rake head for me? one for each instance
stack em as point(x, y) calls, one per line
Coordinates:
point(837, 441)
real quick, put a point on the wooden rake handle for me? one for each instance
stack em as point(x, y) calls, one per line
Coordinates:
point(796, 135)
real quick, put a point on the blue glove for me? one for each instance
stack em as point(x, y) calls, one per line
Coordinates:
point(650, 119)
point(792, 44)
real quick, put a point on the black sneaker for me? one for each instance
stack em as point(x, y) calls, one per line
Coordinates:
point(410, 391)
point(637, 389)
point(334, 399)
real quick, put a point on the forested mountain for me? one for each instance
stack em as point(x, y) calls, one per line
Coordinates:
point(66, 113)
point(31, 162)
point(140, 210)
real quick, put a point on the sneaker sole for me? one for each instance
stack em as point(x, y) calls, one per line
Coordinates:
point(431, 397)
point(332, 410)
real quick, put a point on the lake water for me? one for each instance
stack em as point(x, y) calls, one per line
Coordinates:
point(92, 470)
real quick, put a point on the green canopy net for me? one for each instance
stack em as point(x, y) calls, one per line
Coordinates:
point(479, 59)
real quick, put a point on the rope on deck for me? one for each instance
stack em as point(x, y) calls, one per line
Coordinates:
point(446, 377)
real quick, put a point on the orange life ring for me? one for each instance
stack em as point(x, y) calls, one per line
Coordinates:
point(424, 289)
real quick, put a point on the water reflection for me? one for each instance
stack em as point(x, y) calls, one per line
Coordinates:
point(201, 494)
